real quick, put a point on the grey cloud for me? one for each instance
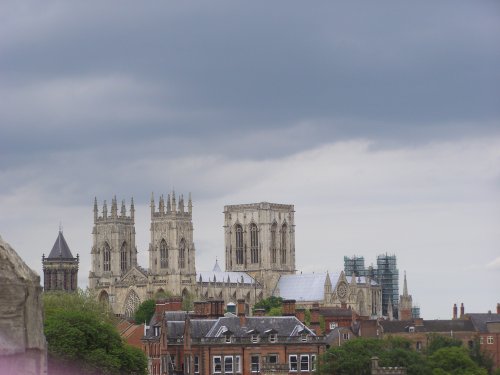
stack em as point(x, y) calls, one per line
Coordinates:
point(228, 70)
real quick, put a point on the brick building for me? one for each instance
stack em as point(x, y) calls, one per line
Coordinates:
point(487, 326)
point(208, 342)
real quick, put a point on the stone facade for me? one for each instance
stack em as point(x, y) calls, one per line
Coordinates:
point(118, 280)
point(260, 260)
point(23, 348)
point(260, 240)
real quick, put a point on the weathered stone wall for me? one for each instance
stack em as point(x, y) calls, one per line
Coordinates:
point(23, 348)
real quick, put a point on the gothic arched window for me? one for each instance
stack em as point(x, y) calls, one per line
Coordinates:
point(254, 243)
point(106, 257)
point(239, 244)
point(182, 253)
point(273, 242)
point(283, 243)
point(123, 258)
point(131, 303)
point(163, 254)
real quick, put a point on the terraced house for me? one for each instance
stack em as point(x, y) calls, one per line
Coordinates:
point(208, 342)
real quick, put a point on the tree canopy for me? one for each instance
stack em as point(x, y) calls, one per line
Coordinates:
point(270, 303)
point(145, 311)
point(82, 338)
point(444, 356)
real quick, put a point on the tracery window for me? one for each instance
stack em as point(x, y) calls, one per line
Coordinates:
point(163, 254)
point(239, 244)
point(254, 243)
point(182, 254)
point(131, 304)
point(106, 257)
point(273, 243)
point(283, 243)
point(123, 258)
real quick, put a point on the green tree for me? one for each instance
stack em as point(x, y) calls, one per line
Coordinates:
point(269, 303)
point(275, 311)
point(145, 311)
point(354, 357)
point(454, 360)
point(82, 338)
point(436, 342)
point(187, 302)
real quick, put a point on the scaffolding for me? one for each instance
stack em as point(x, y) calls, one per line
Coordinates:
point(386, 274)
point(354, 265)
point(415, 312)
point(388, 278)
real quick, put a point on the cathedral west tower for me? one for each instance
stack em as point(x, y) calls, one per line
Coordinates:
point(260, 240)
point(113, 251)
point(172, 250)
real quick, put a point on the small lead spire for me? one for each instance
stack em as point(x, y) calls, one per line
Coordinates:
point(169, 206)
point(132, 208)
point(96, 211)
point(114, 207)
point(161, 205)
point(105, 210)
point(174, 204)
point(123, 210)
point(190, 204)
point(152, 204)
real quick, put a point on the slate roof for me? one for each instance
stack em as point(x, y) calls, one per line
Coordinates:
point(282, 325)
point(395, 326)
point(480, 320)
point(335, 311)
point(309, 286)
point(60, 249)
point(334, 334)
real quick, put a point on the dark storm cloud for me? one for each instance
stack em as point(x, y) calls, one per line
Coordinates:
point(220, 71)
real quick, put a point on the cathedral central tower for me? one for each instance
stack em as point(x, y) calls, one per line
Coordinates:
point(260, 240)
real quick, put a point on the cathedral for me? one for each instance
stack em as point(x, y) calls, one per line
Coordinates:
point(259, 259)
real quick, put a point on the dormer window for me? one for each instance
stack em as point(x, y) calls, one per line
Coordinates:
point(157, 331)
point(273, 337)
point(333, 325)
point(228, 339)
point(411, 329)
point(303, 337)
point(254, 338)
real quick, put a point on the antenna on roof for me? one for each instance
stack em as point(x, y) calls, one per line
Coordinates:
point(60, 227)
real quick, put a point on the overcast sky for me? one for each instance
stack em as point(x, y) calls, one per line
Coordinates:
point(379, 121)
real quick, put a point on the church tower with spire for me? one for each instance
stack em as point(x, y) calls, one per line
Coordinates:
point(172, 250)
point(60, 268)
point(114, 251)
point(405, 303)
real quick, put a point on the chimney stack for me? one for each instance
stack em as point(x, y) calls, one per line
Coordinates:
point(455, 311)
point(315, 318)
point(462, 311)
point(498, 308)
point(289, 307)
point(241, 311)
point(259, 312)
